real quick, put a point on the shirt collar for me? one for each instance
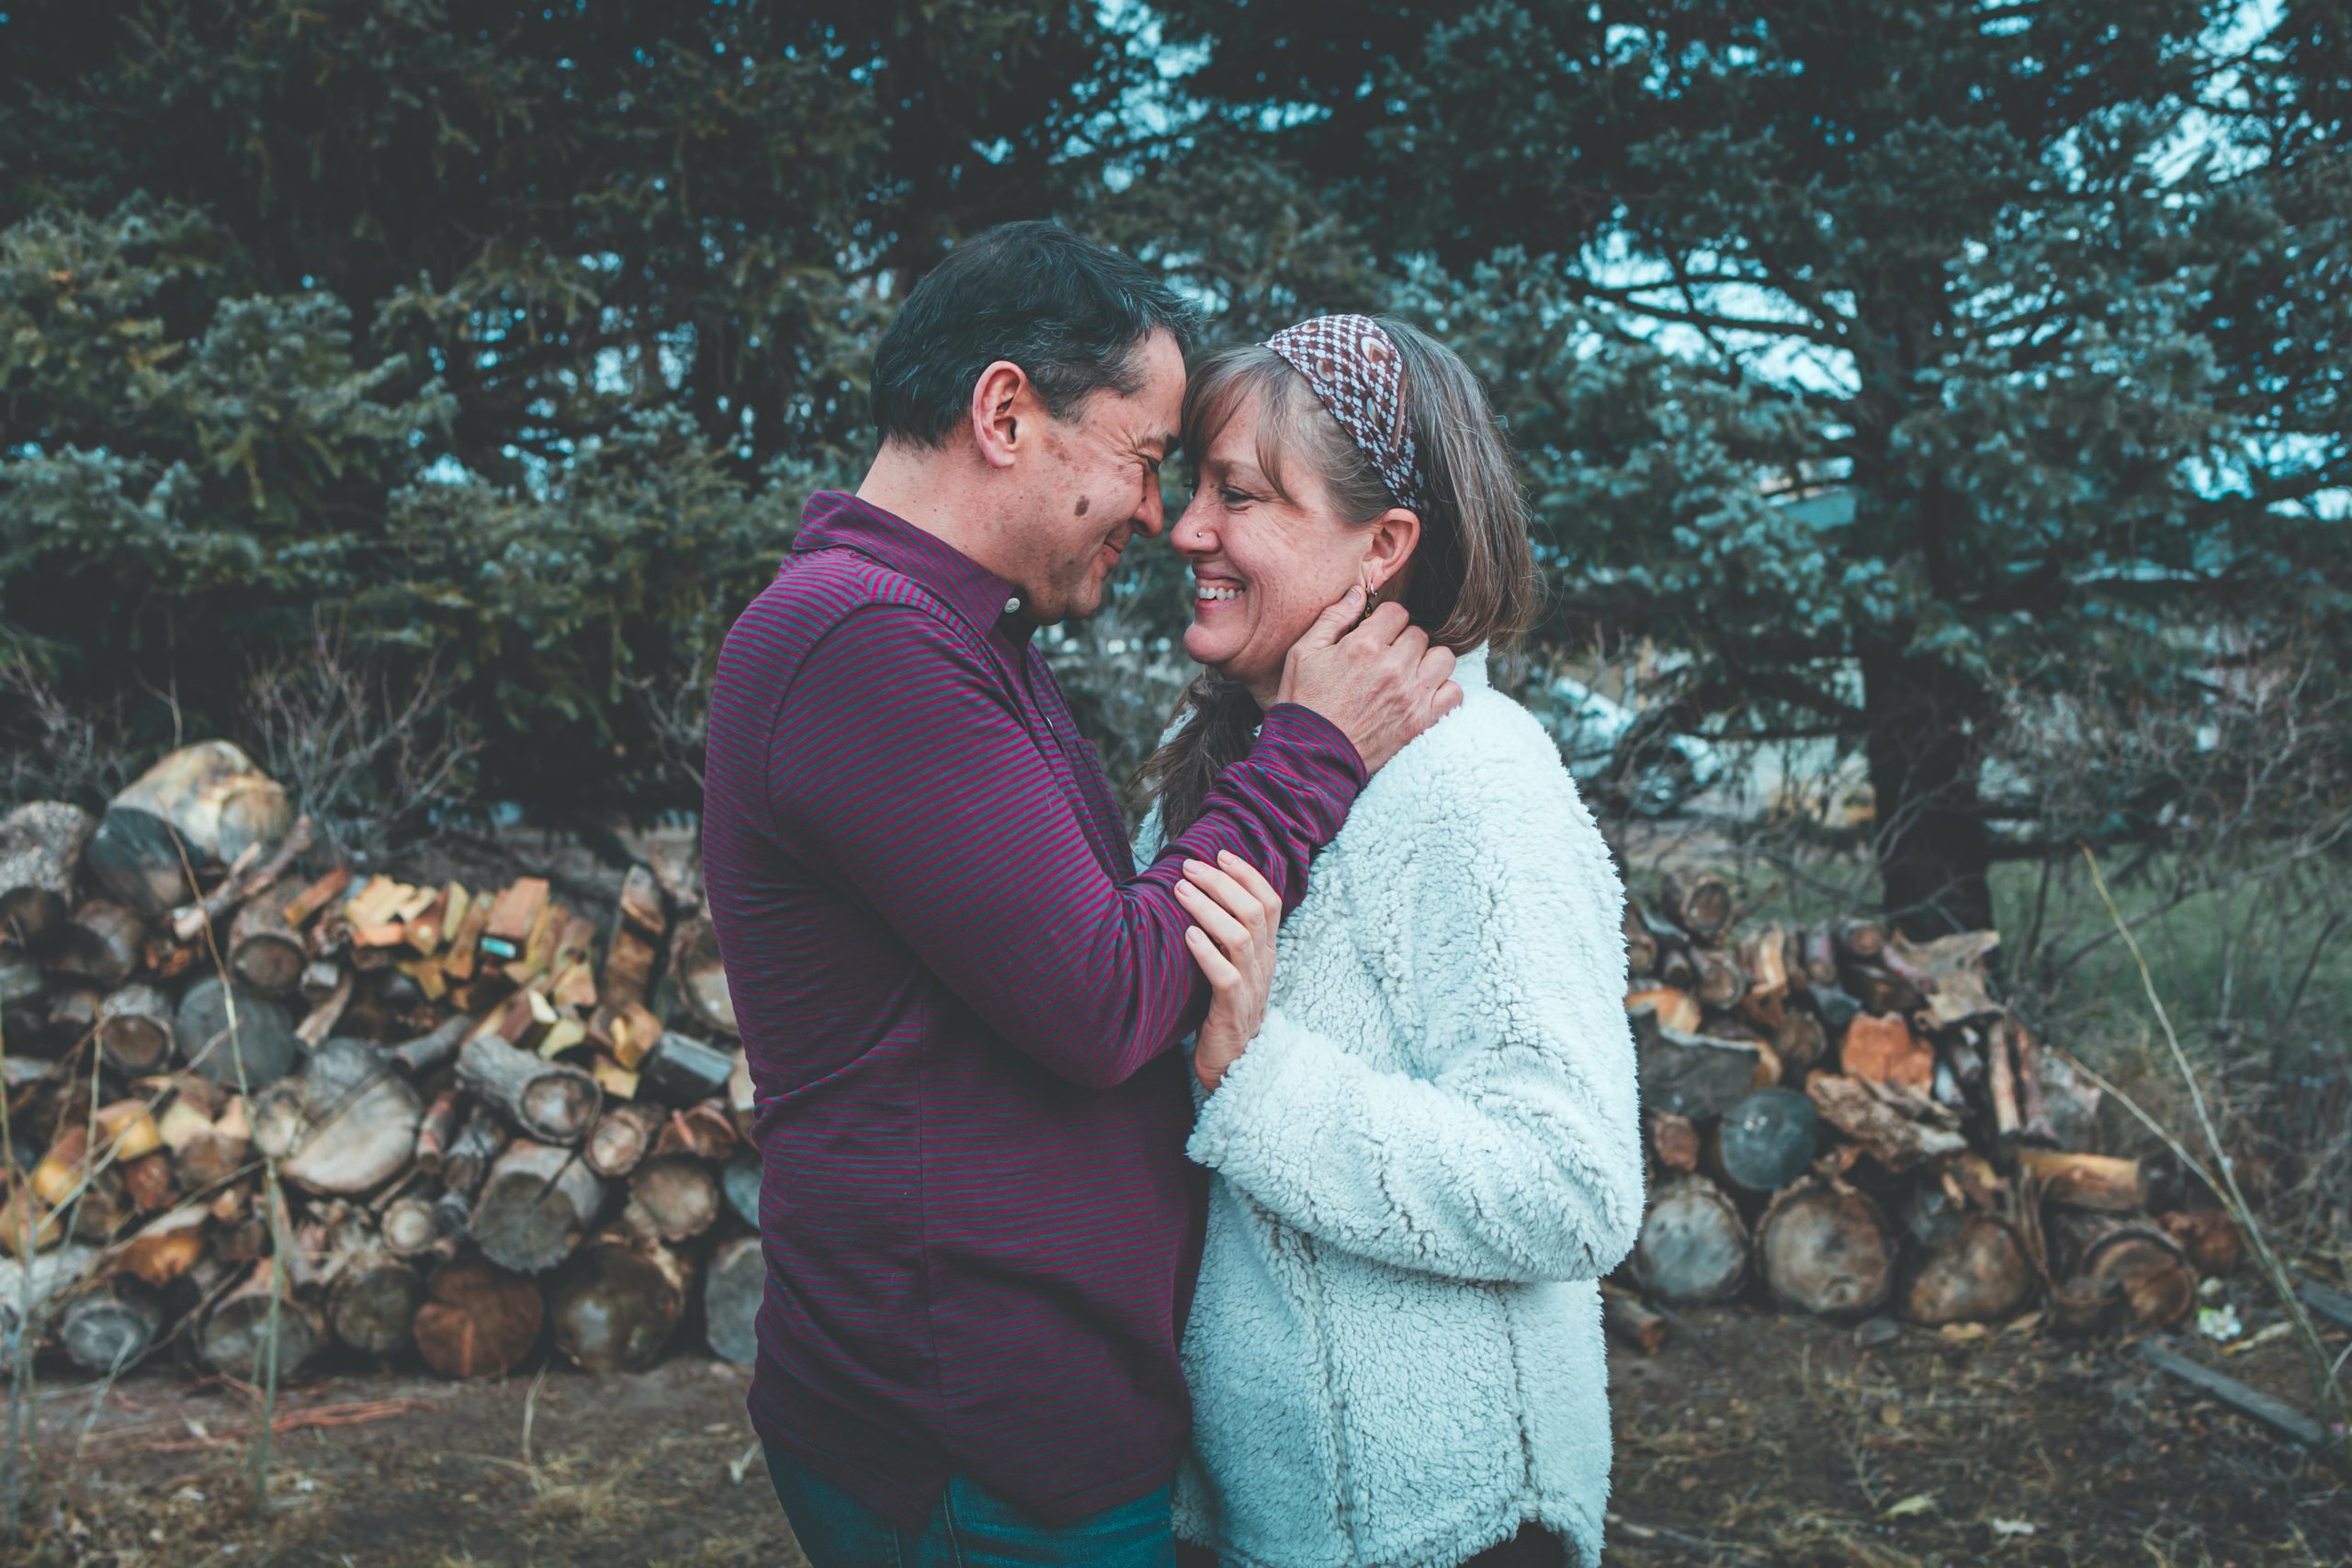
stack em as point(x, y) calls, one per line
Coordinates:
point(836, 519)
point(1470, 668)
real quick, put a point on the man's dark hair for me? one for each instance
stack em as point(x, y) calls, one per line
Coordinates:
point(1071, 314)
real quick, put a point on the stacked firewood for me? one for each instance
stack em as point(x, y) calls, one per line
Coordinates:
point(255, 1097)
point(1850, 1123)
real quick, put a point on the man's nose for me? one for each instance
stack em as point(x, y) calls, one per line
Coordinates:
point(1152, 515)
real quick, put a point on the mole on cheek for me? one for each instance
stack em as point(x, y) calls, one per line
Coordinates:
point(1082, 504)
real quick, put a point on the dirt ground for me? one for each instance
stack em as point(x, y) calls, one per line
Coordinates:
point(1750, 1440)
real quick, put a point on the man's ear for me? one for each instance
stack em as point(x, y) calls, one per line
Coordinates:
point(1004, 410)
point(1394, 534)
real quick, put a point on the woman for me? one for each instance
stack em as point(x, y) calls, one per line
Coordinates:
point(1423, 1136)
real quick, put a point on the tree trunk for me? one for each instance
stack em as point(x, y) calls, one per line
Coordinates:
point(731, 1289)
point(616, 1302)
point(40, 846)
point(1824, 1248)
point(478, 1320)
point(537, 1203)
point(549, 1102)
point(1934, 849)
point(1694, 1246)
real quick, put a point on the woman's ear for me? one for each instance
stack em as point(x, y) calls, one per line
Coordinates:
point(1394, 534)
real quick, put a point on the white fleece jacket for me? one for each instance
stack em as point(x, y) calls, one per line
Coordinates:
point(1424, 1162)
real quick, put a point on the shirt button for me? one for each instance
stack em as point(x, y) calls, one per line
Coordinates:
point(1012, 606)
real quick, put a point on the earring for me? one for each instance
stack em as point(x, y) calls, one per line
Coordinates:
point(1371, 602)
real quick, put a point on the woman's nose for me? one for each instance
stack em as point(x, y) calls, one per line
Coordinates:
point(1191, 536)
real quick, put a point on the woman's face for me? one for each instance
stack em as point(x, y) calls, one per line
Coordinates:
point(1263, 567)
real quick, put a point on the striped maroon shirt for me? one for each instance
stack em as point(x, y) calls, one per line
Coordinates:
point(958, 1001)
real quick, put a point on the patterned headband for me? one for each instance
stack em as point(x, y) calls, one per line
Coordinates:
point(1357, 373)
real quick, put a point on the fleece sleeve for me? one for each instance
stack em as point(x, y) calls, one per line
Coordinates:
point(1518, 1157)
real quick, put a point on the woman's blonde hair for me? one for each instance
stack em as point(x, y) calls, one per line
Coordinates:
point(1473, 575)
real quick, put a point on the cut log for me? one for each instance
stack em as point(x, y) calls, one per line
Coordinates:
point(1766, 1141)
point(1824, 1248)
point(110, 1327)
point(40, 846)
point(701, 979)
point(1693, 1244)
point(1948, 972)
point(681, 1070)
point(473, 1151)
point(1675, 1009)
point(1720, 983)
point(408, 1226)
point(1675, 1141)
point(514, 914)
point(435, 1129)
point(1859, 939)
point(742, 1096)
point(1630, 1321)
point(374, 1298)
point(265, 953)
point(535, 1205)
point(421, 1055)
point(2208, 1237)
point(630, 961)
point(703, 1130)
point(678, 868)
point(207, 1152)
point(621, 1139)
point(1641, 948)
point(2102, 1182)
point(235, 1335)
point(345, 1124)
point(24, 994)
point(478, 1320)
point(2001, 1084)
point(207, 801)
point(741, 1179)
point(1879, 990)
point(616, 1302)
point(1764, 957)
point(251, 876)
point(306, 905)
point(149, 1183)
point(1878, 1049)
point(263, 1041)
point(676, 1197)
point(1800, 1041)
point(32, 1294)
point(731, 1289)
point(1979, 1273)
point(135, 1031)
point(100, 942)
point(2112, 1269)
point(549, 1102)
point(1699, 905)
point(640, 907)
point(1879, 1122)
point(1690, 1075)
point(1836, 1006)
point(1818, 947)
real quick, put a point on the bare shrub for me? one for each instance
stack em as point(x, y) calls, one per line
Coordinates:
point(52, 748)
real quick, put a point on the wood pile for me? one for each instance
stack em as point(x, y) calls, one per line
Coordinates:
point(486, 1117)
point(1850, 1124)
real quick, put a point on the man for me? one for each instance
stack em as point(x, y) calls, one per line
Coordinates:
point(958, 1000)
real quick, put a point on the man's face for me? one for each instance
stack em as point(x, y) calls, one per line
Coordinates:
point(1098, 486)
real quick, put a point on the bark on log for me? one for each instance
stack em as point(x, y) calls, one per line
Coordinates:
point(703, 1130)
point(1630, 1323)
point(1690, 1075)
point(732, 1290)
point(701, 979)
point(1720, 983)
point(676, 1197)
point(235, 1334)
point(40, 846)
point(1764, 957)
point(1878, 1122)
point(535, 1205)
point(135, 1031)
point(473, 1151)
point(1824, 1248)
point(1675, 1009)
point(681, 1070)
point(435, 1130)
point(24, 994)
point(264, 950)
point(373, 1301)
point(1884, 1050)
point(2103, 1182)
point(111, 1327)
point(345, 1124)
point(2109, 1268)
point(1979, 1273)
point(1879, 990)
point(1694, 1246)
point(616, 1302)
point(1675, 1141)
point(209, 798)
point(1766, 1141)
point(421, 1055)
point(621, 1139)
point(264, 1037)
point(1819, 949)
point(100, 942)
point(2208, 1237)
point(740, 1180)
point(1699, 905)
point(547, 1101)
point(478, 1320)
point(640, 907)
point(32, 1294)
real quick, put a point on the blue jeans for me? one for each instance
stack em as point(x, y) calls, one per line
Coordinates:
point(971, 1527)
